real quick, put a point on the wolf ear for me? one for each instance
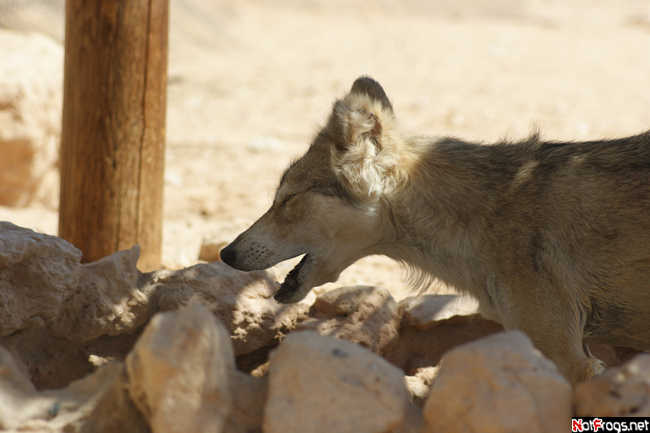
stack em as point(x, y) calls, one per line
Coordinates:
point(371, 88)
point(361, 115)
point(359, 127)
point(362, 131)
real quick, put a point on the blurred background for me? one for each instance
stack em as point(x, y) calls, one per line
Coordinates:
point(251, 81)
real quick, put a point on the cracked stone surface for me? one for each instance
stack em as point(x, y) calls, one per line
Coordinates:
point(37, 272)
point(500, 384)
point(320, 384)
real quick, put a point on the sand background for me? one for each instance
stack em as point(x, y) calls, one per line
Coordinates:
point(251, 81)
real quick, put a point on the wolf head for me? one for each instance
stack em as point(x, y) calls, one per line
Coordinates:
point(327, 206)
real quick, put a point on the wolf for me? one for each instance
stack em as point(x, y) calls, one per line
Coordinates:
point(551, 238)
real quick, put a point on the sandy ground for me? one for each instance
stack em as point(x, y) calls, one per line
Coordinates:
point(251, 81)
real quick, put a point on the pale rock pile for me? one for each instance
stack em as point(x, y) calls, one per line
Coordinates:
point(624, 391)
point(31, 97)
point(321, 384)
point(36, 273)
point(498, 384)
point(101, 347)
point(363, 315)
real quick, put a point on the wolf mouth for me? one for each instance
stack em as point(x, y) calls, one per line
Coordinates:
point(290, 284)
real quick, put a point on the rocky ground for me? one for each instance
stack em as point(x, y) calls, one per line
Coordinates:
point(249, 84)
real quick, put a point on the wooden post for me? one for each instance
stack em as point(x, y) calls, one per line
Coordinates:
point(112, 144)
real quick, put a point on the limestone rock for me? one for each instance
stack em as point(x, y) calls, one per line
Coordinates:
point(53, 363)
point(31, 89)
point(243, 301)
point(363, 315)
point(115, 412)
point(179, 372)
point(37, 272)
point(107, 300)
point(622, 391)
point(498, 384)
point(433, 324)
point(249, 396)
point(75, 408)
point(16, 391)
point(72, 409)
point(426, 311)
point(321, 384)
point(101, 316)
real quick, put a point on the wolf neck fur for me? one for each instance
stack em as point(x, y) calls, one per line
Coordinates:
point(455, 203)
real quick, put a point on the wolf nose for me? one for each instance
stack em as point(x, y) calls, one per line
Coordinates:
point(228, 255)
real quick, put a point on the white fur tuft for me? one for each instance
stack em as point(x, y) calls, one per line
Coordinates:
point(372, 163)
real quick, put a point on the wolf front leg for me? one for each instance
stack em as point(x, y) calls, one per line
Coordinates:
point(554, 321)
